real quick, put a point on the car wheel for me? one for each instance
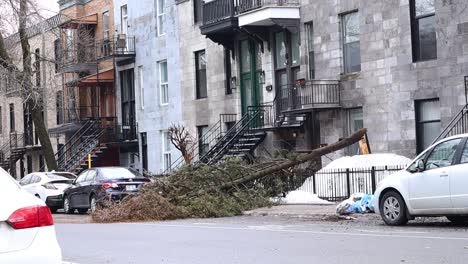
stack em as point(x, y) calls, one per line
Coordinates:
point(393, 209)
point(66, 206)
point(82, 210)
point(93, 203)
point(457, 219)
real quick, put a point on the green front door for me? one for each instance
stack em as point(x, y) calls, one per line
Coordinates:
point(251, 70)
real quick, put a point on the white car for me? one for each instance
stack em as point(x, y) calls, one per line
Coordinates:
point(434, 184)
point(48, 186)
point(26, 227)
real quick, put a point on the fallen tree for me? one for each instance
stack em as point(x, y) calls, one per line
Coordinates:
point(224, 189)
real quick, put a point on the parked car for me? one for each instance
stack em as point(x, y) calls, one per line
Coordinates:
point(94, 186)
point(48, 186)
point(27, 227)
point(434, 184)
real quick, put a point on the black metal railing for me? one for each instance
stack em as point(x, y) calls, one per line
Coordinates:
point(118, 45)
point(218, 10)
point(78, 55)
point(339, 184)
point(248, 5)
point(12, 150)
point(458, 125)
point(213, 135)
point(309, 94)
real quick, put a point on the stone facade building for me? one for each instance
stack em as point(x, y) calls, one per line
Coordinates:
point(247, 78)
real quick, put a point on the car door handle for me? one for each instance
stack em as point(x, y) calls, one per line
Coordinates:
point(444, 175)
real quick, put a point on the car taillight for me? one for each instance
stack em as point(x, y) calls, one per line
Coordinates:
point(108, 185)
point(30, 217)
point(49, 186)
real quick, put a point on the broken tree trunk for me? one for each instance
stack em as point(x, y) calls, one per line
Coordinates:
point(314, 154)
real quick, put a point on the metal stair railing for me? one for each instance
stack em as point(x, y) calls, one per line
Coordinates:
point(243, 126)
point(66, 156)
point(83, 150)
point(458, 125)
point(212, 135)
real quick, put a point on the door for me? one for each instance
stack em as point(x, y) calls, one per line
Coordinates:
point(251, 71)
point(287, 67)
point(88, 187)
point(459, 182)
point(429, 190)
point(76, 191)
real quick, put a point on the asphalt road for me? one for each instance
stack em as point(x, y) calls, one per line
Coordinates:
point(267, 239)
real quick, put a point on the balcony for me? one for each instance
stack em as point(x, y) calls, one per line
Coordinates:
point(121, 47)
point(305, 96)
point(268, 12)
point(81, 59)
point(219, 21)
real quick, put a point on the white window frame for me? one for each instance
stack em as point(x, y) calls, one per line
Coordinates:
point(160, 17)
point(163, 86)
point(124, 17)
point(141, 83)
point(106, 31)
point(166, 153)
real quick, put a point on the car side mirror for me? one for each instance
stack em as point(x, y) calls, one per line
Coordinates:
point(420, 165)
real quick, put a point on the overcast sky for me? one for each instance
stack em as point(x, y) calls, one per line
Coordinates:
point(49, 5)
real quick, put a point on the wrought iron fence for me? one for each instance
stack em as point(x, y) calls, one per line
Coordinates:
point(247, 5)
point(339, 184)
point(119, 45)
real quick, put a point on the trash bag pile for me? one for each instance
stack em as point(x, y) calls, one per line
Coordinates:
point(358, 203)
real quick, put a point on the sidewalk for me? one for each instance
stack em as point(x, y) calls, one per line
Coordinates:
point(309, 212)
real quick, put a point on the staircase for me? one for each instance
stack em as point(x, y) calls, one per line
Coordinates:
point(73, 156)
point(458, 125)
point(240, 141)
point(12, 151)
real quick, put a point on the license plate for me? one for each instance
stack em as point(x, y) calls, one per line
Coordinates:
point(130, 187)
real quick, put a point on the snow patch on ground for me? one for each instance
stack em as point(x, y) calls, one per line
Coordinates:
point(367, 161)
point(301, 197)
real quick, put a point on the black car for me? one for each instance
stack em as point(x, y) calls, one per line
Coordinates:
point(96, 185)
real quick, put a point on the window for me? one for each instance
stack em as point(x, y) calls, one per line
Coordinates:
point(57, 52)
point(123, 19)
point(29, 164)
point(442, 155)
point(12, 118)
point(161, 13)
point(310, 49)
point(41, 163)
point(355, 122)
point(141, 84)
point(59, 107)
point(37, 66)
point(428, 125)
point(227, 70)
point(203, 146)
point(351, 42)
point(424, 41)
point(464, 155)
point(91, 176)
point(163, 82)
point(200, 71)
point(197, 10)
point(166, 146)
point(105, 23)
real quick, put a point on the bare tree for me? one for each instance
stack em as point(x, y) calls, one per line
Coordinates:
point(182, 140)
point(32, 97)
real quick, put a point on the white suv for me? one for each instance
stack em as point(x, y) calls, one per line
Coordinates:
point(434, 184)
point(26, 227)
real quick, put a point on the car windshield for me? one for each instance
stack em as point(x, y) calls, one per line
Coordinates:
point(7, 182)
point(118, 173)
point(61, 176)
